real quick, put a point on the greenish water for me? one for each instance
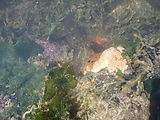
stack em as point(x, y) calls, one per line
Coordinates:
point(73, 23)
point(19, 80)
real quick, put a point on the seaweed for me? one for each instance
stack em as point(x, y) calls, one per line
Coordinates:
point(141, 65)
point(56, 103)
point(137, 66)
point(130, 82)
point(130, 46)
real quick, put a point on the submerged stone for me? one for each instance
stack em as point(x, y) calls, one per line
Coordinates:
point(111, 59)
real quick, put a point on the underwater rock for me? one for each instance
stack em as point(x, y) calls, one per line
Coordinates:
point(5, 102)
point(111, 59)
point(51, 53)
point(50, 49)
point(100, 99)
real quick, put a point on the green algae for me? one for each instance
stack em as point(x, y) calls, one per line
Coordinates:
point(61, 78)
point(40, 19)
point(133, 81)
point(138, 65)
point(18, 80)
point(56, 103)
point(130, 82)
point(130, 46)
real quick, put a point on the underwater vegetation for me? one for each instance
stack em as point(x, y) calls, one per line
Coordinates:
point(56, 103)
point(141, 63)
point(130, 46)
point(58, 21)
point(19, 81)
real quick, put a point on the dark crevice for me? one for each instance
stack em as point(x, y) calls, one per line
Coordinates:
point(155, 99)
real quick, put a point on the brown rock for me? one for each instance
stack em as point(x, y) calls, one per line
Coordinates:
point(111, 59)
